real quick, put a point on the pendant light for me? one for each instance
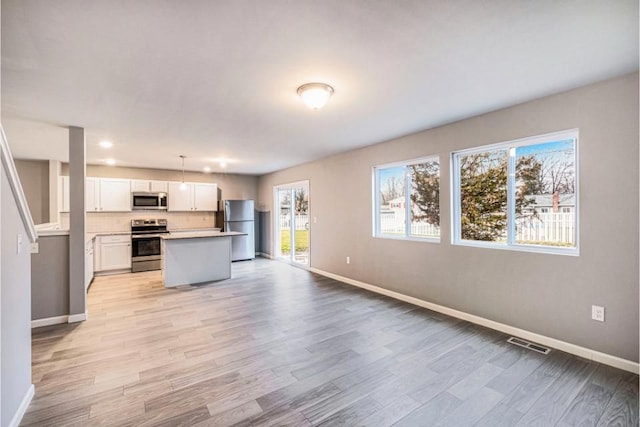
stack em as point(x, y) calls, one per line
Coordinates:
point(183, 186)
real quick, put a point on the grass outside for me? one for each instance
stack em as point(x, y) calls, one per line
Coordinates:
point(302, 241)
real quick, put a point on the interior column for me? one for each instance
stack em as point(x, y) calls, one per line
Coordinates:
point(77, 227)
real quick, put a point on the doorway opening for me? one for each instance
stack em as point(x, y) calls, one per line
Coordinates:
point(291, 227)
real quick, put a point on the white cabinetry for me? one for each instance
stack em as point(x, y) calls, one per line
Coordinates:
point(63, 193)
point(88, 263)
point(113, 252)
point(108, 195)
point(205, 197)
point(142, 186)
point(194, 197)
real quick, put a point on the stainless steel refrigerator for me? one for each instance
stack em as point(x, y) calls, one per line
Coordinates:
point(238, 215)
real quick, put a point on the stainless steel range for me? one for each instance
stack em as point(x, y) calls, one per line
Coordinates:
point(146, 245)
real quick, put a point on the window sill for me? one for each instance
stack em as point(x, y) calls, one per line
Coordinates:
point(549, 250)
point(408, 238)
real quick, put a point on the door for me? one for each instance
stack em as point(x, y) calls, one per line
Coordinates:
point(238, 210)
point(205, 197)
point(180, 199)
point(291, 228)
point(115, 195)
point(242, 247)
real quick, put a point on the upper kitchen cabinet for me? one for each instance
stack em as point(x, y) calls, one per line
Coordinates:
point(194, 197)
point(205, 197)
point(108, 195)
point(143, 186)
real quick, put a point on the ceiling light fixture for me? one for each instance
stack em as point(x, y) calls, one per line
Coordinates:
point(105, 144)
point(183, 186)
point(207, 169)
point(110, 162)
point(223, 164)
point(315, 95)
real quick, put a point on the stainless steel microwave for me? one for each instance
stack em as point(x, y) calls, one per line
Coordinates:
point(148, 201)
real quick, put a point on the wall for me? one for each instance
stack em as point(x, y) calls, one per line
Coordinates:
point(50, 278)
point(546, 294)
point(34, 176)
point(15, 303)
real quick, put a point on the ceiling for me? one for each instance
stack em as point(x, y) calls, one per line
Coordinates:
point(217, 79)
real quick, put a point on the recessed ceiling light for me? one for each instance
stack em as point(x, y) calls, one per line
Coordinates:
point(106, 144)
point(206, 169)
point(223, 164)
point(110, 162)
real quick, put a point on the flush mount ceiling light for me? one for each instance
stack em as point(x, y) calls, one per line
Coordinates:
point(207, 169)
point(105, 144)
point(110, 162)
point(183, 186)
point(315, 95)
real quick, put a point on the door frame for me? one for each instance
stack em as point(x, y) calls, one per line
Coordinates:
point(276, 222)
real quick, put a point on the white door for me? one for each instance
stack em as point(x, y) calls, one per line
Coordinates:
point(92, 194)
point(291, 225)
point(180, 199)
point(205, 197)
point(115, 195)
point(115, 256)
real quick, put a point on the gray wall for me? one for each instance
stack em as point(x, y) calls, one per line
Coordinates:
point(15, 306)
point(50, 278)
point(34, 176)
point(547, 294)
point(234, 186)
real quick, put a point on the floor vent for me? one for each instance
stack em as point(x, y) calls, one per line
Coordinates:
point(529, 345)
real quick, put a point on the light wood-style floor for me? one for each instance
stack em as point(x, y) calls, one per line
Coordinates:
point(277, 345)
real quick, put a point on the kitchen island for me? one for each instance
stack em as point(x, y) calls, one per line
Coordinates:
point(196, 257)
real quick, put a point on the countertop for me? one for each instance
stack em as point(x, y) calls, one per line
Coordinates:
point(200, 234)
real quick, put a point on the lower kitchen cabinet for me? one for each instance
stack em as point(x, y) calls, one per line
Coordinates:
point(113, 253)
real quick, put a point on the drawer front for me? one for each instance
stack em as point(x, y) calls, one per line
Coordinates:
point(115, 239)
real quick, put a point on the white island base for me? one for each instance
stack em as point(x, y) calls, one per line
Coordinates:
point(198, 257)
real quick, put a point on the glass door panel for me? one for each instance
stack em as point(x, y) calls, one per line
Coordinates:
point(292, 223)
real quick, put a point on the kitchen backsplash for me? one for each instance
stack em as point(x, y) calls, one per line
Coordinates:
point(121, 221)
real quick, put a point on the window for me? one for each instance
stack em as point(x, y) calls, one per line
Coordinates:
point(407, 199)
point(518, 195)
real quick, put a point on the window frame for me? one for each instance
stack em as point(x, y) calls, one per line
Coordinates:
point(407, 181)
point(510, 146)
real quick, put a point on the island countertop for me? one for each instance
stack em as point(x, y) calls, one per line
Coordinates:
point(198, 234)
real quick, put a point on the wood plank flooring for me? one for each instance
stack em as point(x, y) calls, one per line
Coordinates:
point(277, 345)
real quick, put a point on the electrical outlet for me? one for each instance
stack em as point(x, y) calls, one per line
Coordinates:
point(597, 313)
point(348, 260)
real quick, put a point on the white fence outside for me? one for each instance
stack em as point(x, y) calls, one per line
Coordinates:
point(302, 221)
point(547, 227)
point(390, 223)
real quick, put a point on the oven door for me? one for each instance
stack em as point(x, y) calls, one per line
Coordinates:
point(146, 248)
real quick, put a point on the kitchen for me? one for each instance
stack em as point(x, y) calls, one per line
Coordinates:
point(115, 206)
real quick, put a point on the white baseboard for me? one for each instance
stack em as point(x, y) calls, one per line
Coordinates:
point(22, 409)
point(73, 318)
point(38, 323)
point(264, 255)
point(577, 350)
